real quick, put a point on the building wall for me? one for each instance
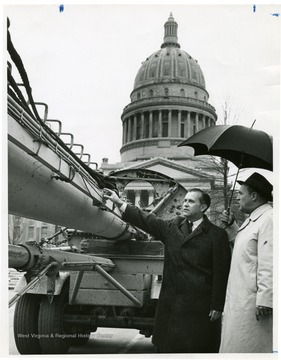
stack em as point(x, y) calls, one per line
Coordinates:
point(147, 148)
point(22, 229)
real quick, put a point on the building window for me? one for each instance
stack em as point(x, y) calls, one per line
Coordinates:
point(165, 129)
point(132, 128)
point(144, 198)
point(196, 95)
point(146, 125)
point(182, 92)
point(30, 233)
point(165, 124)
point(37, 237)
point(182, 130)
point(138, 96)
point(138, 134)
point(127, 131)
point(150, 93)
point(155, 124)
point(200, 122)
point(44, 231)
point(166, 92)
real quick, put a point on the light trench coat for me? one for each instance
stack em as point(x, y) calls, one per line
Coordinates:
point(250, 285)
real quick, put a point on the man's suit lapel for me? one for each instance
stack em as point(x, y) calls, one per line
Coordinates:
point(194, 233)
point(186, 235)
point(205, 224)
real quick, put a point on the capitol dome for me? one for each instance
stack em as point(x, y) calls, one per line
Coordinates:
point(170, 63)
point(169, 103)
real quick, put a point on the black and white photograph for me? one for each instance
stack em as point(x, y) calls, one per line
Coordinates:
point(140, 179)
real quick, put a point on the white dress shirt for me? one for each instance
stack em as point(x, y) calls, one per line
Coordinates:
point(196, 223)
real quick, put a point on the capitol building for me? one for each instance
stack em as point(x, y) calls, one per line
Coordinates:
point(169, 103)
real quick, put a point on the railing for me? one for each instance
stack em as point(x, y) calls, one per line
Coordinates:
point(42, 128)
point(42, 133)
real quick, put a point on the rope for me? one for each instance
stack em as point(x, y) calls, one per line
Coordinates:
point(19, 64)
point(16, 89)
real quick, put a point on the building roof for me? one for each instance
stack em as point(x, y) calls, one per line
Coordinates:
point(172, 165)
point(170, 63)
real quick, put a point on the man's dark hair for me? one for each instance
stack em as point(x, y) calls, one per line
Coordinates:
point(204, 198)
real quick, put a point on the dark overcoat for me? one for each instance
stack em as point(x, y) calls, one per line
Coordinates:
point(196, 267)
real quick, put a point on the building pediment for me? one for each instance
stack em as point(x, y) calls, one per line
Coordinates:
point(173, 169)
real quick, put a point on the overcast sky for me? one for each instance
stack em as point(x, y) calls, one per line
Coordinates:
point(83, 61)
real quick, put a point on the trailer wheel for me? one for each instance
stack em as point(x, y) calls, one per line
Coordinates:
point(26, 324)
point(54, 338)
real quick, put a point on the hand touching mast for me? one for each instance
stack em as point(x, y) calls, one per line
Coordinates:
point(111, 195)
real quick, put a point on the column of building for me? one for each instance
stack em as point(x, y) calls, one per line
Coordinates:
point(151, 194)
point(130, 124)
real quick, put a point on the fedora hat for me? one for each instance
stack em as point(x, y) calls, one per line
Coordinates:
point(260, 184)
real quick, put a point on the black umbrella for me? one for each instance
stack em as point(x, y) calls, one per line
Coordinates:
point(244, 147)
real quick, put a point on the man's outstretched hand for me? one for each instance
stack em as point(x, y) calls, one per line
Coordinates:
point(111, 195)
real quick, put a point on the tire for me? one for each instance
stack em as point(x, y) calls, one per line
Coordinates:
point(26, 324)
point(54, 339)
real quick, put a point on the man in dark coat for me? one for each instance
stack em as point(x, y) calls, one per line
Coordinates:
point(196, 267)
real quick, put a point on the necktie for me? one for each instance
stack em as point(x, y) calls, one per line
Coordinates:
point(190, 225)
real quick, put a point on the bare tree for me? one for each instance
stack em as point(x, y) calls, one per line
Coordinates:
point(228, 115)
point(16, 228)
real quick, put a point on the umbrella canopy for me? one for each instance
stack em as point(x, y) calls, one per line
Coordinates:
point(244, 147)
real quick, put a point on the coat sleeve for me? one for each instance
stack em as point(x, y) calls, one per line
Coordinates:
point(265, 263)
point(148, 222)
point(221, 256)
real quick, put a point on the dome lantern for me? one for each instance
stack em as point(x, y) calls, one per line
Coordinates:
point(170, 34)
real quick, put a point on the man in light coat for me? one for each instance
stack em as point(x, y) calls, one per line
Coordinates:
point(196, 267)
point(247, 318)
